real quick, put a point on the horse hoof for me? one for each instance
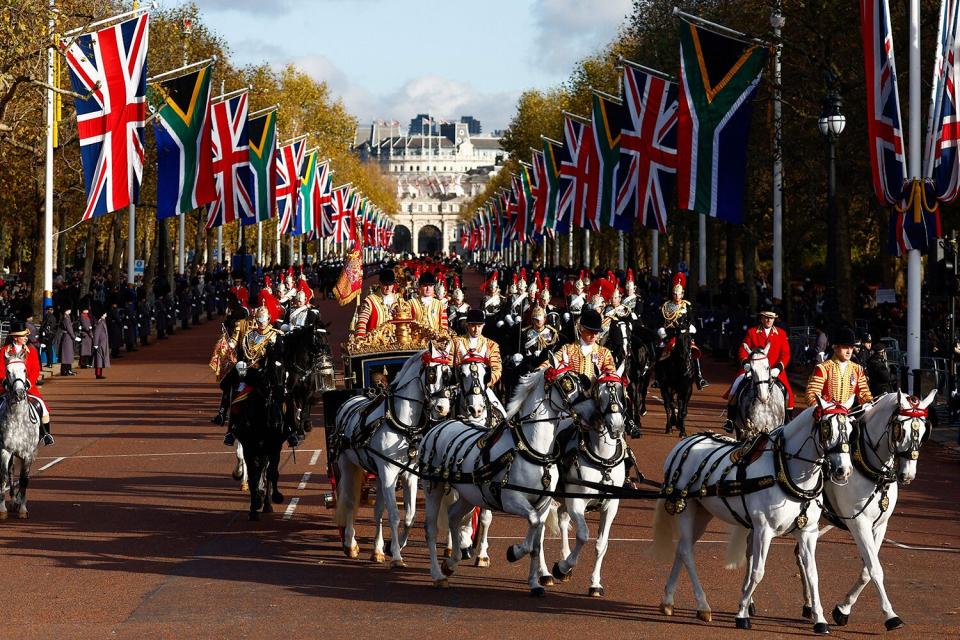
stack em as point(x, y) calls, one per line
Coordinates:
point(447, 553)
point(244, 487)
point(752, 610)
point(466, 553)
point(277, 497)
point(893, 623)
point(443, 583)
point(682, 435)
point(821, 629)
point(378, 557)
point(643, 411)
point(706, 616)
point(512, 555)
point(398, 564)
point(22, 515)
point(596, 592)
point(481, 562)
point(538, 592)
point(807, 612)
point(840, 617)
point(237, 472)
point(559, 574)
point(666, 609)
point(446, 569)
point(547, 581)
point(743, 623)
point(352, 552)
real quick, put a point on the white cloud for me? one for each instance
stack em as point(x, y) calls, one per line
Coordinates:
point(569, 30)
point(269, 7)
point(439, 96)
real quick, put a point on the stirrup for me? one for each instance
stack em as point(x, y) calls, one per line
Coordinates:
point(728, 426)
point(219, 418)
point(293, 440)
point(229, 439)
point(702, 384)
point(47, 439)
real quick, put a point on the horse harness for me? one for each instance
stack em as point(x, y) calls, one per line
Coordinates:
point(885, 475)
point(676, 498)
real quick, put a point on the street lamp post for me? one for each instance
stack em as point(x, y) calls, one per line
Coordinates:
point(831, 124)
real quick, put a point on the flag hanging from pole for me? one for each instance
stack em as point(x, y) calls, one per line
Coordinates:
point(262, 135)
point(648, 148)
point(184, 144)
point(718, 79)
point(231, 163)
point(109, 67)
point(350, 281)
point(289, 166)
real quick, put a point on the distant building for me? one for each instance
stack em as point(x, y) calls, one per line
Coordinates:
point(436, 173)
point(473, 125)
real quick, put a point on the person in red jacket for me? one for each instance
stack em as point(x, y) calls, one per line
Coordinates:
point(778, 356)
point(18, 349)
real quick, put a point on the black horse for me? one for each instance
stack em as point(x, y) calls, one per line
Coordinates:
point(675, 378)
point(303, 350)
point(256, 414)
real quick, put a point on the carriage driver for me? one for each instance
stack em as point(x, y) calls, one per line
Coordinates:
point(427, 310)
point(838, 378)
point(475, 343)
point(586, 356)
point(19, 350)
point(678, 315)
point(250, 340)
point(376, 307)
point(778, 356)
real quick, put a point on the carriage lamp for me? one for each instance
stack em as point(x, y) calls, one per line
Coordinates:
point(327, 373)
point(242, 369)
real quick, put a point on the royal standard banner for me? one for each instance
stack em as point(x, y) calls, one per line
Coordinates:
point(262, 136)
point(718, 79)
point(184, 144)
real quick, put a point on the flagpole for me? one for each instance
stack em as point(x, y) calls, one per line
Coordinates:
point(702, 266)
point(131, 242)
point(570, 248)
point(276, 258)
point(776, 21)
point(260, 243)
point(655, 253)
point(556, 250)
point(620, 250)
point(48, 186)
point(586, 248)
point(220, 243)
point(913, 257)
point(182, 222)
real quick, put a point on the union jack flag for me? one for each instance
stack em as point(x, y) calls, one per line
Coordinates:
point(289, 166)
point(341, 210)
point(883, 103)
point(580, 167)
point(942, 162)
point(648, 148)
point(109, 67)
point(231, 163)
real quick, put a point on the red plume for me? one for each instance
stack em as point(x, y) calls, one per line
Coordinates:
point(523, 273)
point(629, 275)
point(537, 281)
point(546, 284)
point(273, 307)
point(266, 281)
point(290, 271)
point(680, 279)
point(602, 286)
point(304, 286)
point(492, 278)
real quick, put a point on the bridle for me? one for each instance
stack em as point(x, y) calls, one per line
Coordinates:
point(895, 432)
point(11, 385)
point(615, 386)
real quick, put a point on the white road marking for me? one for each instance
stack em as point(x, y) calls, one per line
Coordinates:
point(229, 452)
point(315, 457)
point(52, 462)
point(304, 480)
point(291, 508)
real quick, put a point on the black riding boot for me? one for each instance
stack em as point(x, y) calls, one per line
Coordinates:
point(733, 412)
point(698, 375)
point(221, 416)
point(45, 436)
point(788, 415)
point(228, 437)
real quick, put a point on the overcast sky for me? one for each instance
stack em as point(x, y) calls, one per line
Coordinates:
point(392, 59)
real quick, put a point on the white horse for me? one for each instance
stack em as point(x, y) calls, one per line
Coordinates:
point(480, 465)
point(379, 434)
point(240, 470)
point(885, 451)
point(762, 404)
point(772, 496)
point(597, 455)
point(19, 436)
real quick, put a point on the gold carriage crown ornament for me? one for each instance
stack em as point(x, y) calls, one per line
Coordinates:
point(401, 333)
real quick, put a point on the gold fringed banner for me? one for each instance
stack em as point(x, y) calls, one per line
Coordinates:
point(351, 279)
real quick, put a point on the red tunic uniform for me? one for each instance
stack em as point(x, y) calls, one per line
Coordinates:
point(32, 361)
point(778, 356)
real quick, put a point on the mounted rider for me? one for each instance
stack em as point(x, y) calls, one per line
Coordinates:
point(576, 298)
point(630, 300)
point(476, 345)
point(492, 300)
point(301, 313)
point(839, 377)
point(538, 339)
point(250, 340)
point(778, 355)
point(377, 307)
point(239, 290)
point(427, 310)
point(677, 315)
point(457, 308)
point(17, 350)
point(585, 356)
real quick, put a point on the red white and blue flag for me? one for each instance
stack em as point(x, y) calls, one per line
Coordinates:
point(340, 214)
point(109, 67)
point(231, 163)
point(579, 175)
point(942, 161)
point(648, 148)
point(289, 166)
point(884, 130)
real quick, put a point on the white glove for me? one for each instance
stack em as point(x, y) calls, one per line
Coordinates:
point(774, 373)
point(510, 320)
point(499, 323)
point(662, 333)
point(76, 339)
point(566, 317)
point(517, 358)
point(692, 329)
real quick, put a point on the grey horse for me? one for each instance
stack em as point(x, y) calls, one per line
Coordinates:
point(19, 437)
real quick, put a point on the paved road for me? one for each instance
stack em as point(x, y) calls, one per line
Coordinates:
point(136, 530)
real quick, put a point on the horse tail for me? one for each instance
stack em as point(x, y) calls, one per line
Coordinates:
point(736, 555)
point(347, 502)
point(664, 528)
point(553, 523)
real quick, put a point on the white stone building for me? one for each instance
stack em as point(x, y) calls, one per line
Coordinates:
point(437, 172)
